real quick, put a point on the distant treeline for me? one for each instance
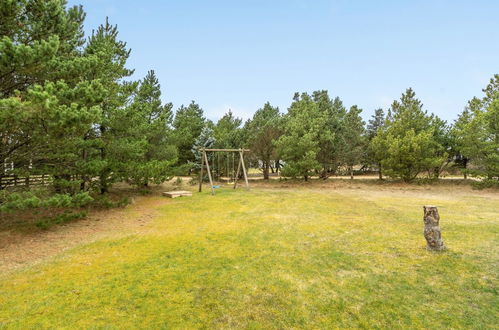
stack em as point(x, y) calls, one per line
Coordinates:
point(68, 109)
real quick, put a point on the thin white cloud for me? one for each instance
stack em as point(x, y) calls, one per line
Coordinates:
point(385, 101)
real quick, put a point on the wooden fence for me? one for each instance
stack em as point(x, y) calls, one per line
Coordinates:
point(33, 180)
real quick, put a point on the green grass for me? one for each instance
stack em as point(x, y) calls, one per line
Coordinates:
point(271, 258)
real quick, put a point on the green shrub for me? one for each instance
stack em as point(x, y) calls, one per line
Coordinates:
point(82, 199)
point(105, 202)
point(65, 217)
point(59, 200)
point(11, 201)
point(145, 191)
point(486, 183)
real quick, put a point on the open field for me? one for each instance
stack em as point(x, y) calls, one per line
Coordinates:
point(282, 255)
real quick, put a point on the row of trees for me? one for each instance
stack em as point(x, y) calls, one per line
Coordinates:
point(411, 142)
point(69, 109)
point(319, 136)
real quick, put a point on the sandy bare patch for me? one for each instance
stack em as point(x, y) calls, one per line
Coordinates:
point(19, 249)
point(375, 190)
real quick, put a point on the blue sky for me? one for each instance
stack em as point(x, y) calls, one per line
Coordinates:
point(240, 54)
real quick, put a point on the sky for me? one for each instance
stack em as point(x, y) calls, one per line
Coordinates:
point(240, 54)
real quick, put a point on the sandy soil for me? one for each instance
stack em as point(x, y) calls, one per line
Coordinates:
point(19, 249)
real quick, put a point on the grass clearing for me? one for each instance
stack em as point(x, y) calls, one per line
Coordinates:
point(276, 258)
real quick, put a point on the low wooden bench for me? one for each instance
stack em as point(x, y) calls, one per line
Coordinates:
point(177, 193)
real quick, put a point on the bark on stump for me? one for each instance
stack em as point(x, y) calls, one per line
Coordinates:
point(432, 230)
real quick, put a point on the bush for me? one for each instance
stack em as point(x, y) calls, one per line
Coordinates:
point(486, 183)
point(82, 199)
point(65, 217)
point(11, 201)
point(178, 181)
point(105, 202)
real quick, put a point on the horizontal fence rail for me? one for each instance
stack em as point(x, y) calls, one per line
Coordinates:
point(32, 180)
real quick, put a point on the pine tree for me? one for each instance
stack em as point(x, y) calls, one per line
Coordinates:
point(477, 133)
point(188, 124)
point(263, 131)
point(45, 118)
point(331, 147)
point(491, 91)
point(227, 131)
point(375, 124)
point(110, 137)
point(205, 140)
point(299, 144)
point(459, 139)
point(442, 137)
point(152, 128)
point(39, 41)
point(407, 145)
point(353, 138)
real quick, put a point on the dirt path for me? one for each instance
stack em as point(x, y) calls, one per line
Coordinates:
point(20, 249)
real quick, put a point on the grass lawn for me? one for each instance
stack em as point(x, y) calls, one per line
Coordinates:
point(299, 257)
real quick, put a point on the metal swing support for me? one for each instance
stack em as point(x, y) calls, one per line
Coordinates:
point(204, 162)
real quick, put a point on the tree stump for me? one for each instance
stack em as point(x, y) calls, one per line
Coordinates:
point(431, 229)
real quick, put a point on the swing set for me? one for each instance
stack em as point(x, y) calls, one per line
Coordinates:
point(234, 177)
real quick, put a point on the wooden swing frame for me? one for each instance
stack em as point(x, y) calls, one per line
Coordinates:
point(204, 161)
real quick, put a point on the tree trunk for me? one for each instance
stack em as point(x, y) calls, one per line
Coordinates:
point(104, 173)
point(465, 164)
point(323, 174)
point(351, 172)
point(305, 177)
point(266, 171)
point(83, 177)
point(432, 233)
point(380, 173)
point(103, 183)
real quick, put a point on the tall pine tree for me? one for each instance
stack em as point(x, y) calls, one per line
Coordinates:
point(110, 136)
point(374, 125)
point(407, 145)
point(353, 138)
point(477, 133)
point(152, 129)
point(264, 129)
point(299, 144)
point(188, 124)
